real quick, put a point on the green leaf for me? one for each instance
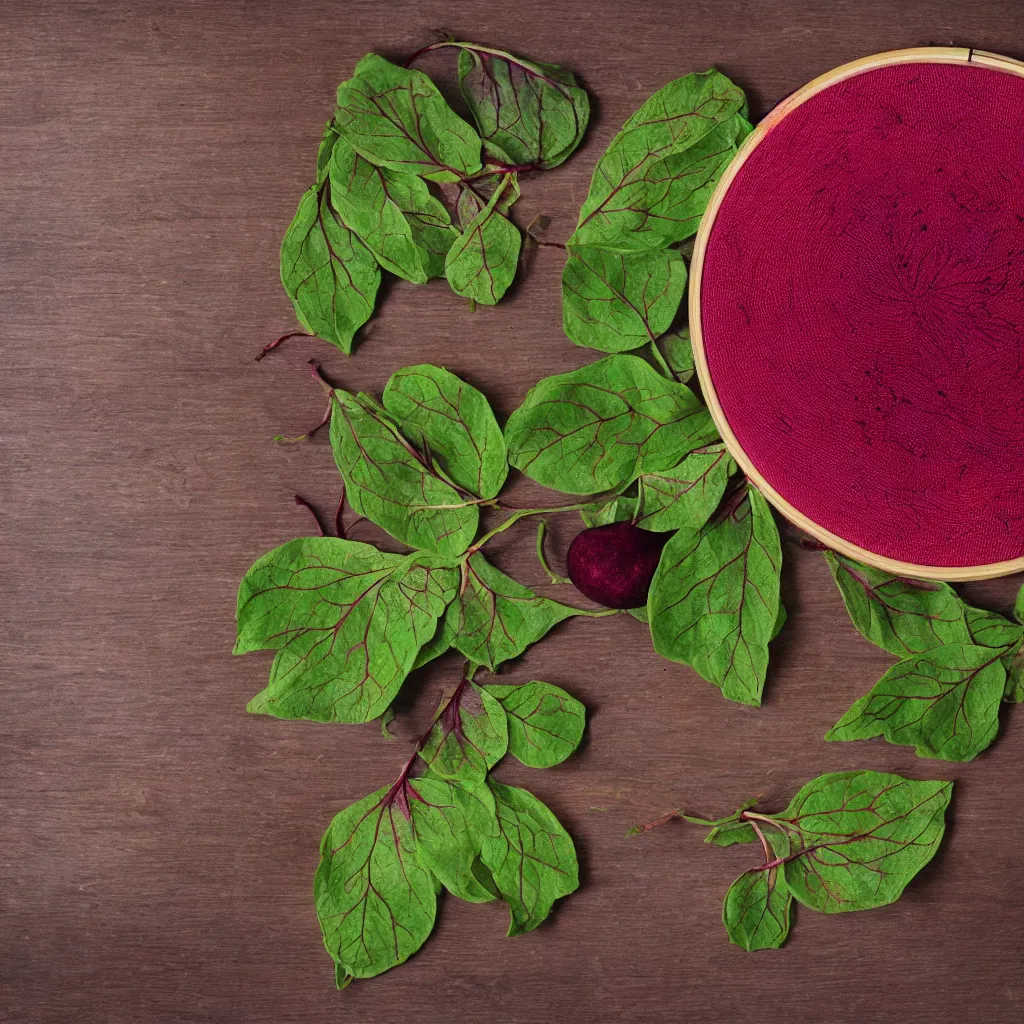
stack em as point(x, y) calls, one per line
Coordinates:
point(654, 181)
point(482, 261)
point(469, 735)
point(640, 614)
point(901, 615)
point(346, 620)
point(989, 629)
point(857, 838)
point(395, 117)
point(437, 645)
point(685, 497)
point(474, 195)
point(450, 823)
point(392, 485)
point(943, 702)
point(324, 152)
point(616, 301)
point(714, 599)
point(618, 510)
point(399, 221)
point(531, 857)
point(535, 112)
point(677, 349)
point(756, 909)
point(374, 897)
point(545, 724)
point(496, 618)
point(730, 833)
point(329, 275)
point(780, 621)
point(598, 427)
point(1018, 606)
point(453, 422)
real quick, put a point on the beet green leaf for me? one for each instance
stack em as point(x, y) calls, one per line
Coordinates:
point(535, 112)
point(545, 724)
point(730, 833)
point(714, 600)
point(677, 350)
point(374, 896)
point(943, 702)
point(685, 497)
point(395, 117)
point(653, 183)
point(616, 301)
point(756, 909)
point(346, 620)
point(599, 427)
point(324, 152)
point(329, 275)
point(901, 615)
point(482, 261)
point(857, 838)
point(434, 647)
point(391, 483)
point(474, 195)
point(452, 423)
point(847, 841)
point(989, 629)
point(531, 857)
point(494, 618)
point(450, 823)
point(399, 221)
point(469, 736)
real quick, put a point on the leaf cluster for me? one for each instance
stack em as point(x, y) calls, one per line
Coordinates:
point(350, 622)
point(958, 664)
point(847, 841)
point(391, 149)
point(385, 858)
point(626, 268)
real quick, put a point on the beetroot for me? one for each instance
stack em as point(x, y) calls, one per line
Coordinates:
point(614, 564)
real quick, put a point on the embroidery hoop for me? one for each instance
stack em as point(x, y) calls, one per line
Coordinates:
point(916, 55)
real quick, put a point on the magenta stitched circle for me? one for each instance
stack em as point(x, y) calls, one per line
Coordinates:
point(862, 306)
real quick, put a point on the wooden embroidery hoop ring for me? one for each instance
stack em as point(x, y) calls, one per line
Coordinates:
point(917, 55)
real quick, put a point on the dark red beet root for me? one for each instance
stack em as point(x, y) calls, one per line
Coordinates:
point(614, 564)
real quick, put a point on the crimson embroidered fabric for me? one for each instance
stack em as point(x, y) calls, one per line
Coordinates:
point(862, 308)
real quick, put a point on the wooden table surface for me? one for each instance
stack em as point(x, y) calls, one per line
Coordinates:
point(157, 844)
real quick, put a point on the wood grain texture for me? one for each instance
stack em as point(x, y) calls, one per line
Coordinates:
point(157, 844)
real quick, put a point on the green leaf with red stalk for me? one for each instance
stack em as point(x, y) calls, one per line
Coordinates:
point(943, 702)
point(655, 179)
point(453, 422)
point(330, 276)
point(469, 735)
point(390, 482)
point(901, 615)
point(598, 428)
point(531, 857)
point(399, 221)
point(714, 601)
point(482, 261)
point(545, 724)
point(395, 117)
point(617, 301)
point(535, 112)
point(683, 498)
point(847, 841)
point(346, 620)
